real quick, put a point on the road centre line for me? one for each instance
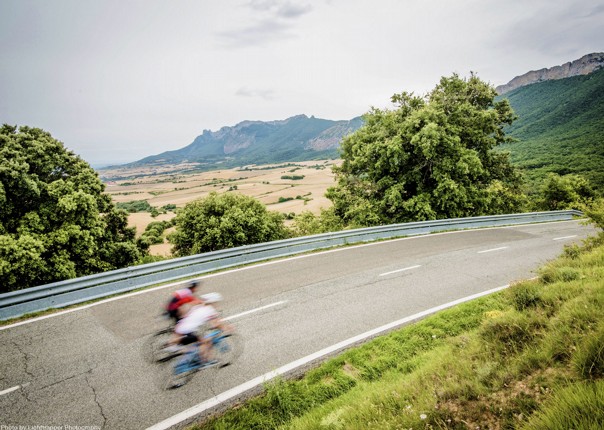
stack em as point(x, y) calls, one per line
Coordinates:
point(9, 390)
point(240, 389)
point(492, 250)
point(253, 266)
point(565, 237)
point(400, 270)
point(232, 317)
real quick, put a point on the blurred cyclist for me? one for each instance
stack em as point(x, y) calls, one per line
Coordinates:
point(196, 316)
point(181, 297)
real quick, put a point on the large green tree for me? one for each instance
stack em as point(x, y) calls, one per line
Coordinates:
point(430, 157)
point(55, 221)
point(221, 221)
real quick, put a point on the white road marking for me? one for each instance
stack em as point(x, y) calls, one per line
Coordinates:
point(236, 391)
point(232, 317)
point(492, 250)
point(564, 237)
point(9, 390)
point(400, 270)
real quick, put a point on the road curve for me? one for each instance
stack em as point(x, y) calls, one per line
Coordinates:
point(86, 367)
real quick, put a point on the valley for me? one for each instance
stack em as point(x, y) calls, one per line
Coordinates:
point(288, 188)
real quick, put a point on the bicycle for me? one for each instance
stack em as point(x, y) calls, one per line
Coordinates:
point(225, 348)
point(155, 346)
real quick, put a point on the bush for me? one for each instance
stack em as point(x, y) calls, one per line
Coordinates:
point(222, 221)
point(510, 332)
point(525, 295)
point(135, 206)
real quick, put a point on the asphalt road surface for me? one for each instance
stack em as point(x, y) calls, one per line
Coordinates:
point(87, 368)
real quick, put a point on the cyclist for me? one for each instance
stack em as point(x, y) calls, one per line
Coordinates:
point(197, 315)
point(181, 297)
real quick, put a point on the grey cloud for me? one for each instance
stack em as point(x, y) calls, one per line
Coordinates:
point(552, 29)
point(289, 10)
point(274, 24)
point(281, 9)
point(258, 34)
point(263, 94)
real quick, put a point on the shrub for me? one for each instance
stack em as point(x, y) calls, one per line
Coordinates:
point(525, 295)
point(511, 332)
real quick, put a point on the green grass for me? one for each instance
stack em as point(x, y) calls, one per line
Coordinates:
point(529, 357)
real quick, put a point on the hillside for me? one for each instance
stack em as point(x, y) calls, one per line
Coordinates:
point(583, 66)
point(298, 138)
point(559, 127)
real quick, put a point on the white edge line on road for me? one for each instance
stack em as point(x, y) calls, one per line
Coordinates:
point(9, 390)
point(236, 391)
point(148, 290)
point(492, 250)
point(232, 317)
point(565, 237)
point(400, 270)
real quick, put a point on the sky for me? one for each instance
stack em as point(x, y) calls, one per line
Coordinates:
point(117, 81)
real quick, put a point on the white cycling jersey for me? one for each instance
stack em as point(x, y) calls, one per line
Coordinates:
point(195, 318)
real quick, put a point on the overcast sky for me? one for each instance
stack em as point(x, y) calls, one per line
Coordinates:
point(118, 80)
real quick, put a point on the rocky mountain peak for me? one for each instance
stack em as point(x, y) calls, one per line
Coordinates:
point(583, 66)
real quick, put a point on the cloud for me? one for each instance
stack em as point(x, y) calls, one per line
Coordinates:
point(273, 21)
point(289, 10)
point(550, 29)
point(261, 33)
point(264, 94)
point(281, 9)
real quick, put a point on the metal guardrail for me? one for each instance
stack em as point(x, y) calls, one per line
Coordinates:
point(79, 290)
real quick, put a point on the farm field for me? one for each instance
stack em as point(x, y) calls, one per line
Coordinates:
point(286, 188)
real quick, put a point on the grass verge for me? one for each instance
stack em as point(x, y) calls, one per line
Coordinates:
point(529, 357)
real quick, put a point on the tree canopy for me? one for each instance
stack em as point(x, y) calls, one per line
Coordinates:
point(565, 192)
point(431, 157)
point(221, 221)
point(55, 221)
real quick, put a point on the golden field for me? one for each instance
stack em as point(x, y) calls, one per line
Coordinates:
point(265, 183)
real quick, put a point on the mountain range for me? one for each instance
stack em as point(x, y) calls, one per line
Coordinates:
point(297, 138)
point(559, 129)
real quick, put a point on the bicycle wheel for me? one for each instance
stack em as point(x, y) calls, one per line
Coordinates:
point(182, 371)
point(155, 346)
point(226, 348)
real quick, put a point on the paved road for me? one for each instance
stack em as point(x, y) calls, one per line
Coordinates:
point(86, 367)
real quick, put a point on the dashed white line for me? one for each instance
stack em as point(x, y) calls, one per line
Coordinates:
point(400, 270)
point(564, 237)
point(236, 391)
point(232, 317)
point(492, 250)
point(9, 390)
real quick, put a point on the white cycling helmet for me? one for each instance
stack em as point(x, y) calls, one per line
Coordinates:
point(211, 297)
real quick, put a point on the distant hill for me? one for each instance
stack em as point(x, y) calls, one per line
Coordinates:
point(583, 66)
point(297, 138)
point(560, 127)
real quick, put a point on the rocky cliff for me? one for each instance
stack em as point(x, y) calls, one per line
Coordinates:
point(583, 66)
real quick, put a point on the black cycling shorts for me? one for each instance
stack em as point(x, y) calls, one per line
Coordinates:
point(189, 338)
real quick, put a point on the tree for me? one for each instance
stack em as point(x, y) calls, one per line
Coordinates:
point(430, 157)
point(307, 223)
point(221, 221)
point(55, 221)
point(565, 192)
